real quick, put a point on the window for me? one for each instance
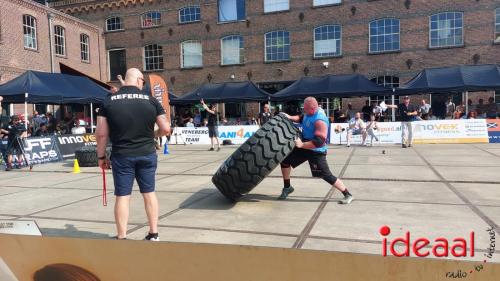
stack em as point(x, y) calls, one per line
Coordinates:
point(117, 63)
point(114, 24)
point(327, 41)
point(189, 14)
point(153, 57)
point(84, 47)
point(387, 81)
point(325, 2)
point(29, 30)
point(446, 30)
point(384, 35)
point(151, 19)
point(497, 25)
point(231, 10)
point(191, 54)
point(276, 5)
point(232, 51)
point(277, 46)
point(59, 38)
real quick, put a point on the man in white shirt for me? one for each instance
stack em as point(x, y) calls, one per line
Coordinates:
point(77, 129)
point(356, 127)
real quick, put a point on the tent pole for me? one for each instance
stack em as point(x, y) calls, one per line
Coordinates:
point(466, 102)
point(91, 118)
point(327, 107)
point(430, 99)
point(393, 111)
point(26, 110)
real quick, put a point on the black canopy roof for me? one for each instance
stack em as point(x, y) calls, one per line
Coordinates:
point(228, 92)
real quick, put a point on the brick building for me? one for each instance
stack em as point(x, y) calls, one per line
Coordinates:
point(25, 43)
point(274, 42)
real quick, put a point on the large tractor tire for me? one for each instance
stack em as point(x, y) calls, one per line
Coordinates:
point(256, 158)
point(87, 156)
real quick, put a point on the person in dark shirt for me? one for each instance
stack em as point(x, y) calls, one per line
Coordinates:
point(15, 130)
point(213, 132)
point(128, 119)
point(367, 111)
point(265, 115)
point(42, 131)
point(407, 113)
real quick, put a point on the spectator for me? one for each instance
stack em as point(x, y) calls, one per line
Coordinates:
point(77, 129)
point(224, 122)
point(356, 127)
point(450, 108)
point(460, 108)
point(51, 122)
point(205, 122)
point(190, 123)
point(265, 115)
point(457, 115)
point(370, 129)
point(491, 109)
point(367, 111)
point(423, 109)
point(481, 109)
point(251, 121)
point(431, 115)
point(470, 106)
point(197, 118)
point(472, 115)
point(15, 131)
point(238, 122)
point(376, 110)
point(186, 116)
point(350, 113)
point(42, 131)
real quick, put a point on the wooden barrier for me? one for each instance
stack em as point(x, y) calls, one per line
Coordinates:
point(113, 260)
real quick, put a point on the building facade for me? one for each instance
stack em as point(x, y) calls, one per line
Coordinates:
point(274, 42)
point(36, 37)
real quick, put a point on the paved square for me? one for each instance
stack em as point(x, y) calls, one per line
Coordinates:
point(429, 190)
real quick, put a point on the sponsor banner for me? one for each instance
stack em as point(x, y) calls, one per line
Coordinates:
point(159, 90)
point(450, 131)
point(39, 150)
point(432, 131)
point(68, 144)
point(493, 126)
point(237, 134)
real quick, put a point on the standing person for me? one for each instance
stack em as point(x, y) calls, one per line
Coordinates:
point(356, 127)
point(265, 115)
point(197, 118)
point(450, 108)
point(406, 112)
point(491, 109)
point(350, 113)
point(367, 111)
point(15, 130)
point(311, 147)
point(213, 132)
point(134, 155)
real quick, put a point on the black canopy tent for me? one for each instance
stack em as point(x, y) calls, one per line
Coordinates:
point(331, 86)
point(229, 92)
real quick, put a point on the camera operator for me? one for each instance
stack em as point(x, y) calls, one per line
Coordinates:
point(15, 130)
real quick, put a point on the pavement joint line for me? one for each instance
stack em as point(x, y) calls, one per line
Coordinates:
point(484, 150)
point(229, 230)
point(462, 197)
point(312, 221)
point(171, 212)
point(16, 192)
point(73, 180)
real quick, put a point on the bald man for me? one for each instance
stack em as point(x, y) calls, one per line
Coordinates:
point(128, 118)
point(311, 147)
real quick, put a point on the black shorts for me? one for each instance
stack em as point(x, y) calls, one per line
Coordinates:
point(317, 161)
point(213, 132)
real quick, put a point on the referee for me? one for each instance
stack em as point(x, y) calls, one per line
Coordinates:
point(128, 119)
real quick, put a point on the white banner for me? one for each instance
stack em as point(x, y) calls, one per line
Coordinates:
point(237, 134)
point(432, 131)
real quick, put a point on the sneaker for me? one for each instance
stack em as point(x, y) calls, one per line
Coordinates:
point(211, 149)
point(346, 200)
point(8, 168)
point(285, 192)
point(403, 145)
point(116, 238)
point(348, 145)
point(409, 145)
point(218, 148)
point(152, 237)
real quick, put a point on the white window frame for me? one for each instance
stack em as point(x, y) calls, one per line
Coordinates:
point(273, 6)
point(241, 50)
point(339, 39)
point(383, 36)
point(497, 26)
point(182, 54)
point(114, 24)
point(29, 32)
point(84, 47)
point(231, 20)
point(62, 38)
point(159, 48)
point(430, 31)
point(149, 16)
point(265, 46)
point(188, 7)
point(319, 3)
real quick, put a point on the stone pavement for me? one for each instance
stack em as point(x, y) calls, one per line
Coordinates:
point(429, 190)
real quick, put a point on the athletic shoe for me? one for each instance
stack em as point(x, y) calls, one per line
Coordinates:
point(348, 145)
point(409, 145)
point(218, 148)
point(8, 168)
point(403, 145)
point(285, 192)
point(346, 200)
point(211, 149)
point(116, 238)
point(152, 237)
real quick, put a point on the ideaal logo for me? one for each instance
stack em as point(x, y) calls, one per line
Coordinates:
point(440, 247)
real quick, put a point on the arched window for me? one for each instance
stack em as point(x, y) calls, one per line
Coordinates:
point(327, 41)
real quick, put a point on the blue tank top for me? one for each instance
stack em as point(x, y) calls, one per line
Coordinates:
point(308, 128)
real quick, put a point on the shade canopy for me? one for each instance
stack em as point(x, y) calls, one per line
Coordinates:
point(52, 88)
point(454, 79)
point(331, 86)
point(229, 92)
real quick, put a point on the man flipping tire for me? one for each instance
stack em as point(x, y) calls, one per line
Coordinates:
point(312, 148)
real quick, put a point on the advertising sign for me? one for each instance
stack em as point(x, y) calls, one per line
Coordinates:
point(39, 150)
point(493, 126)
point(68, 144)
point(190, 135)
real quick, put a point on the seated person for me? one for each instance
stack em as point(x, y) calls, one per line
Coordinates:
point(356, 127)
point(43, 131)
point(371, 127)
